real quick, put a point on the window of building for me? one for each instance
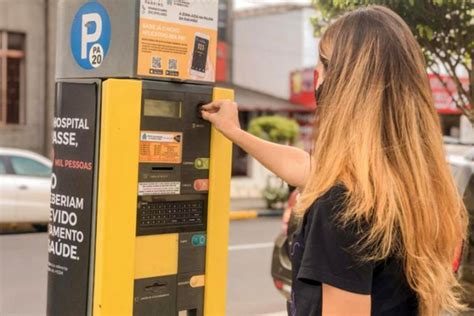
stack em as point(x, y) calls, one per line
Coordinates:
point(12, 64)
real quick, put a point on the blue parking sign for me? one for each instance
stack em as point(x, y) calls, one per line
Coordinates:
point(90, 35)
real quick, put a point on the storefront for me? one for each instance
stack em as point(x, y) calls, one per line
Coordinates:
point(456, 127)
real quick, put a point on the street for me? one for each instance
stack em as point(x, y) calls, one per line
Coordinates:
point(250, 286)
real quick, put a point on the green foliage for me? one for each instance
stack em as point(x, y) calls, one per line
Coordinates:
point(275, 192)
point(443, 28)
point(277, 129)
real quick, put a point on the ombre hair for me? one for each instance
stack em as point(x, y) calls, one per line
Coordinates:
point(377, 132)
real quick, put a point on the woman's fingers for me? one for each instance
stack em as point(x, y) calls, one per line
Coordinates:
point(208, 116)
point(213, 106)
point(223, 114)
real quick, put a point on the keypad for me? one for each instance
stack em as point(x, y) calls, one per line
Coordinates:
point(171, 213)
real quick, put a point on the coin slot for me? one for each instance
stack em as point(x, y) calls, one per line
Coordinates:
point(162, 168)
point(199, 105)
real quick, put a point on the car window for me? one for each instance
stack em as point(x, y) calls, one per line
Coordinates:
point(29, 167)
point(3, 168)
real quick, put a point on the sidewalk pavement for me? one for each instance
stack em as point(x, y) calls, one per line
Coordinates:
point(248, 208)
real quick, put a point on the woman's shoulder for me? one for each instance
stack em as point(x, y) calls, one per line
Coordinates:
point(327, 207)
point(333, 199)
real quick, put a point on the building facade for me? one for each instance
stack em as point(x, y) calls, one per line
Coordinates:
point(27, 45)
point(268, 44)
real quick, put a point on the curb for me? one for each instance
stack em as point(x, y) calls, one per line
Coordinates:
point(252, 214)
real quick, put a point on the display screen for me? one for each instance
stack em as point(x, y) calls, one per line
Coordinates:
point(162, 108)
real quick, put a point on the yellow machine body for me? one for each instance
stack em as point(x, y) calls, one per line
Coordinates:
point(121, 257)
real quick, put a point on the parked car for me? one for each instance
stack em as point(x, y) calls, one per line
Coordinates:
point(25, 180)
point(462, 167)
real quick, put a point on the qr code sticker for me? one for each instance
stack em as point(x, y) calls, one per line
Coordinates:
point(156, 62)
point(172, 64)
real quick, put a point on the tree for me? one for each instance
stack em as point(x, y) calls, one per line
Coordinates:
point(277, 129)
point(444, 29)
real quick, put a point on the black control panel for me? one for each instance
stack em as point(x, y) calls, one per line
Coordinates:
point(173, 159)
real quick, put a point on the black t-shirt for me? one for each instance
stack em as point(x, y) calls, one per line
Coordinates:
point(321, 252)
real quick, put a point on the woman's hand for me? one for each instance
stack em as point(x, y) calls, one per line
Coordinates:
point(224, 115)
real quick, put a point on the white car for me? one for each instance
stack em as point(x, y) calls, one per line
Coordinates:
point(25, 182)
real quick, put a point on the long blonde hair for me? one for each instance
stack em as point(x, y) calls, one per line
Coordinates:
point(378, 134)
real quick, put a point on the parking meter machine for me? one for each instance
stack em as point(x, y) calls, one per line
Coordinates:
point(140, 186)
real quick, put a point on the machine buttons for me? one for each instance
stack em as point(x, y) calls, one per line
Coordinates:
point(198, 240)
point(201, 185)
point(197, 281)
point(170, 213)
point(201, 163)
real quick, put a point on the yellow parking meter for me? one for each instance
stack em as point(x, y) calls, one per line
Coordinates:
point(140, 189)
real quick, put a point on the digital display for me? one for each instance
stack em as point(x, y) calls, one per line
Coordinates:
point(162, 108)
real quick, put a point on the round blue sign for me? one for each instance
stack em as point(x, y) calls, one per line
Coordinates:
point(90, 35)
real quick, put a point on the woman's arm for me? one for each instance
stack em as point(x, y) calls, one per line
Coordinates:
point(337, 302)
point(289, 163)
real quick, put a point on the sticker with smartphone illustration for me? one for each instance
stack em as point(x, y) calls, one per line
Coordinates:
point(199, 55)
point(179, 42)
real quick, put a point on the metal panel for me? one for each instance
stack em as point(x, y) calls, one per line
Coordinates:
point(120, 60)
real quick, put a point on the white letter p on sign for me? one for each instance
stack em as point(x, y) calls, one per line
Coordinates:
point(92, 37)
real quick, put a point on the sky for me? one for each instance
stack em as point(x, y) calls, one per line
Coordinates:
point(244, 4)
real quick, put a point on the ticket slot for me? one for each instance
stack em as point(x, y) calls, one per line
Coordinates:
point(157, 287)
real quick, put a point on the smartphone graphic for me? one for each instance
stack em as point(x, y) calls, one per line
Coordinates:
point(201, 46)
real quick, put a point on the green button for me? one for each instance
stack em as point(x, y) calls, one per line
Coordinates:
point(198, 240)
point(201, 163)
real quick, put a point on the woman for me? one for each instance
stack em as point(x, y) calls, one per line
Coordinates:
point(382, 216)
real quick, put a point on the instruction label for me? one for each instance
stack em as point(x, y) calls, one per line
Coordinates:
point(178, 39)
point(158, 188)
point(161, 147)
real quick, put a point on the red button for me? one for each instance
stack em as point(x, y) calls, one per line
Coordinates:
point(201, 185)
